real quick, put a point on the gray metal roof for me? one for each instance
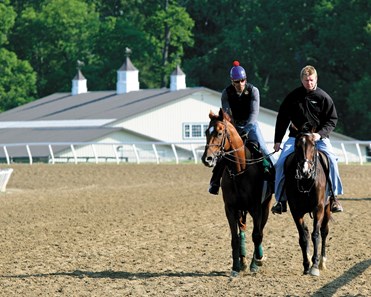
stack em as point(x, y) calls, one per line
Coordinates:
point(103, 107)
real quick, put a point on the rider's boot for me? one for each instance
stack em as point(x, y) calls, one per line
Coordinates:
point(279, 207)
point(335, 205)
point(269, 174)
point(215, 178)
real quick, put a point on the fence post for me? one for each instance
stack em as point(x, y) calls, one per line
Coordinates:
point(156, 154)
point(175, 154)
point(51, 153)
point(6, 155)
point(194, 153)
point(115, 148)
point(29, 153)
point(136, 153)
point(73, 153)
point(344, 152)
point(95, 154)
point(359, 153)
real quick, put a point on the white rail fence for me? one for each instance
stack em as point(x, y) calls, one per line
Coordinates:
point(143, 152)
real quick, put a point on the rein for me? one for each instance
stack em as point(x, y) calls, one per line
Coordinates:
point(222, 153)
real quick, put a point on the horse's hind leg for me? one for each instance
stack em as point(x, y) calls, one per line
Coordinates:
point(242, 235)
point(259, 221)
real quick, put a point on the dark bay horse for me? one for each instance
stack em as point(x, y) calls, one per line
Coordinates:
point(243, 186)
point(306, 173)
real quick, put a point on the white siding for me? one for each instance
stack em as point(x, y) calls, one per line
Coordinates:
point(166, 122)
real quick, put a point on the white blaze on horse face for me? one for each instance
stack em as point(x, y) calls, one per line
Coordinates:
point(305, 167)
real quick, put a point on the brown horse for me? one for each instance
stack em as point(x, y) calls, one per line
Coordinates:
point(306, 173)
point(243, 186)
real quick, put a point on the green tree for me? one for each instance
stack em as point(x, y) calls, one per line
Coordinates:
point(359, 106)
point(156, 32)
point(53, 38)
point(169, 30)
point(343, 47)
point(17, 81)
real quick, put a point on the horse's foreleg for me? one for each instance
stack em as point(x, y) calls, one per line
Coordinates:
point(233, 217)
point(243, 261)
point(324, 233)
point(317, 225)
point(303, 241)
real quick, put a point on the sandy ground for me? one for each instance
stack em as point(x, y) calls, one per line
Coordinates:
point(153, 230)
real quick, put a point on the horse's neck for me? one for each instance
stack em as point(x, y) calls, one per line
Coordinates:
point(238, 147)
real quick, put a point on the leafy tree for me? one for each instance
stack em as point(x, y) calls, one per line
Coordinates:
point(169, 30)
point(155, 32)
point(344, 42)
point(53, 38)
point(17, 81)
point(359, 106)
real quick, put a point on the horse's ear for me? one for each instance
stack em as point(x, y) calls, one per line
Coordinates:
point(211, 114)
point(308, 128)
point(221, 113)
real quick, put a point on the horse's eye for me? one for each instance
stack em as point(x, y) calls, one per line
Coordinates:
point(220, 134)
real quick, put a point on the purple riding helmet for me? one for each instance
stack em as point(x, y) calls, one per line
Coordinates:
point(237, 72)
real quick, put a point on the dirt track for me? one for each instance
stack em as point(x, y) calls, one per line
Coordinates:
point(153, 230)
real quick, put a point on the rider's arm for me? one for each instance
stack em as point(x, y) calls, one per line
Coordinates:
point(330, 117)
point(225, 103)
point(254, 108)
point(283, 120)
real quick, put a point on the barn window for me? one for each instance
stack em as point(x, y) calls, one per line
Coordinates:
point(194, 131)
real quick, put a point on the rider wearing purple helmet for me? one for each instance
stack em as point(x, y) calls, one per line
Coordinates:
point(241, 100)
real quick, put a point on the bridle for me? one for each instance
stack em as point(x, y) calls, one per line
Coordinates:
point(221, 152)
point(311, 172)
point(228, 155)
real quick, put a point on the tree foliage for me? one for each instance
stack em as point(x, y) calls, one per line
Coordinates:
point(273, 40)
point(18, 80)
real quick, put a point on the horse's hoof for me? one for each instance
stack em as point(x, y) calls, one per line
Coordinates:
point(314, 271)
point(234, 274)
point(259, 262)
point(254, 268)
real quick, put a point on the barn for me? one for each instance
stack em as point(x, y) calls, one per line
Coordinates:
point(128, 124)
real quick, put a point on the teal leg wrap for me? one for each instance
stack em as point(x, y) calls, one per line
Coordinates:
point(242, 244)
point(259, 252)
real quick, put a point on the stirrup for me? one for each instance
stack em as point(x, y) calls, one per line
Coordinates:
point(336, 207)
point(279, 207)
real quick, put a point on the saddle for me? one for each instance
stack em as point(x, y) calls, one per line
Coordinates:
point(254, 152)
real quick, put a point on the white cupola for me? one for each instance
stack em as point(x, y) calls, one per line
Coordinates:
point(79, 83)
point(127, 76)
point(177, 80)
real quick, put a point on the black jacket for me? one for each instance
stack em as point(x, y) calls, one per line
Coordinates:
point(301, 106)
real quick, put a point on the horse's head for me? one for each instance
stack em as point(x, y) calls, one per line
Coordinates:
point(305, 152)
point(221, 138)
point(216, 138)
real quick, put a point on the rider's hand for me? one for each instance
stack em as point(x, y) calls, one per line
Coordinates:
point(316, 136)
point(277, 146)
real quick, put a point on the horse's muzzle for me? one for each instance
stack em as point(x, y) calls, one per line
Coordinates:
point(209, 161)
